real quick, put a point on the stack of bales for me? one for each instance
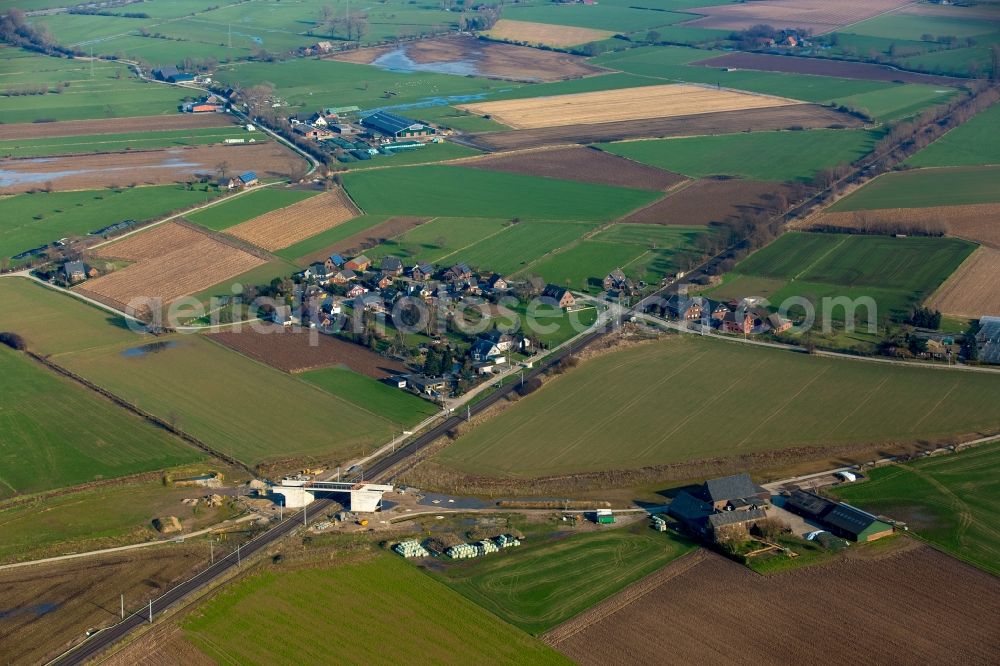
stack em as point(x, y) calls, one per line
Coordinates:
point(507, 541)
point(485, 547)
point(411, 548)
point(462, 551)
point(658, 524)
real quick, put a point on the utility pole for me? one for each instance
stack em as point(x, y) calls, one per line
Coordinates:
point(211, 549)
point(123, 605)
point(468, 413)
point(304, 519)
point(281, 513)
point(239, 560)
point(151, 611)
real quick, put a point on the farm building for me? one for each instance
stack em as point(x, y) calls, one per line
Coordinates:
point(358, 263)
point(171, 74)
point(74, 271)
point(731, 500)
point(988, 340)
point(248, 179)
point(395, 126)
point(848, 522)
point(560, 295)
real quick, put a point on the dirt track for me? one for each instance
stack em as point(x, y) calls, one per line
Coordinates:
point(705, 201)
point(725, 122)
point(114, 125)
point(821, 67)
point(291, 351)
point(490, 59)
point(154, 167)
point(902, 603)
point(582, 164)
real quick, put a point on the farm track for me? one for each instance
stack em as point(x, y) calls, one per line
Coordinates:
point(179, 121)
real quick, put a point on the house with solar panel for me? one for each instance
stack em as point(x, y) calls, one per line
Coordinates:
point(396, 127)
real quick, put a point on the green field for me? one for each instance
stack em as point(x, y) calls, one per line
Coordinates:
point(552, 577)
point(619, 18)
point(399, 407)
point(780, 156)
point(237, 406)
point(649, 405)
point(460, 192)
point(104, 90)
point(897, 102)
point(246, 206)
point(898, 273)
point(105, 143)
point(904, 26)
point(298, 252)
point(946, 500)
point(31, 220)
point(924, 188)
point(428, 154)
point(391, 607)
point(975, 142)
point(583, 266)
point(55, 433)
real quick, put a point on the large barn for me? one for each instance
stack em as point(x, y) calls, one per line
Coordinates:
point(395, 126)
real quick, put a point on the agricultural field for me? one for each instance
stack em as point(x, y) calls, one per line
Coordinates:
point(53, 605)
point(899, 273)
point(119, 143)
point(33, 220)
point(45, 444)
point(707, 201)
point(545, 34)
point(152, 167)
point(244, 207)
point(974, 142)
point(816, 15)
point(171, 261)
point(779, 406)
point(554, 576)
point(971, 291)
point(440, 625)
point(115, 126)
point(924, 188)
point(320, 246)
point(78, 90)
point(583, 266)
point(291, 224)
point(301, 350)
point(725, 122)
point(663, 101)
point(400, 407)
point(944, 500)
point(617, 17)
point(235, 405)
point(581, 164)
point(774, 156)
point(915, 604)
point(973, 222)
point(460, 192)
point(429, 153)
point(468, 55)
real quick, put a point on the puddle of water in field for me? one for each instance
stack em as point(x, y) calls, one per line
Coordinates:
point(10, 177)
point(151, 348)
point(398, 61)
point(37, 610)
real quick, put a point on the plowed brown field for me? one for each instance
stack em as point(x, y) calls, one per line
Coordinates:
point(490, 59)
point(819, 15)
point(705, 201)
point(286, 226)
point(822, 67)
point(973, 290)
point(976, 222)
point(189, 262)
point(292, 350)
point(661, 101)
point(113, 126)
point(911, 605)
point(153, 167)
point(529, 32)
point(726, 122)
point(370, 237)
point(583, 164)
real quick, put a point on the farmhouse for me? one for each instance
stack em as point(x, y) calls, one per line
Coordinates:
point(737, 322)
point(560, 295)
point(395, 126)
point(988, 340)
point(248, 179)
point(731, 500)
point(618, 282)
point(682, 307)
point(171, 74)
point(74, 271)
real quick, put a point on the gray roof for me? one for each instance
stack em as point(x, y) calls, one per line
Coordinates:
point(689, 508)
point(733, 517)
point(807, 503)
point(738, 486)
point(391, 264)
point(850, 519)
point(71, 267)
point(988, 340)
point(389, 123)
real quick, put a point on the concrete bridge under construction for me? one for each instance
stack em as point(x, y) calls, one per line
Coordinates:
point(298, 492)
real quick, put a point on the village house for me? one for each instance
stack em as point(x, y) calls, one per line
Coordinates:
point(391, 265)
point(616, 281)
point(484, 350)
point(385, 280)
point(355, 291)
point(422, 271)
point(318, 273)
point(360, 263)
point(988, 340)
point(322, 47)
point(740, 322)
point(74, 271)
point(314, 133)
point(397, 127)
point(334, 262)
point(777, 323)
point(560, 295)
point(283, 316)
point(682, 308)
point(431, 386)
point(344, 276)
point(457, 272)
point(495, 282)
point(317, 120)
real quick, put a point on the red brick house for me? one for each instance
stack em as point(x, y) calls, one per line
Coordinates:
point(360, 263)
point(560, 295)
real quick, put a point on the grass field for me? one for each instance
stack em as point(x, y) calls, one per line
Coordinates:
point(894, 103)
point(46, 443)
point(898, 273)
point(459, 192)
point(420, 618)
point(30, 220)
point(399, 407)
point(104, 90)
point(778, 156)
point(238, 406)
point(327, 238)
point(429, 154)
point(924, 188)
point(946, 500)
point(649, 405)
point(247, 206)
point(103, 143)
point(975, 142)
point(552, 577)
